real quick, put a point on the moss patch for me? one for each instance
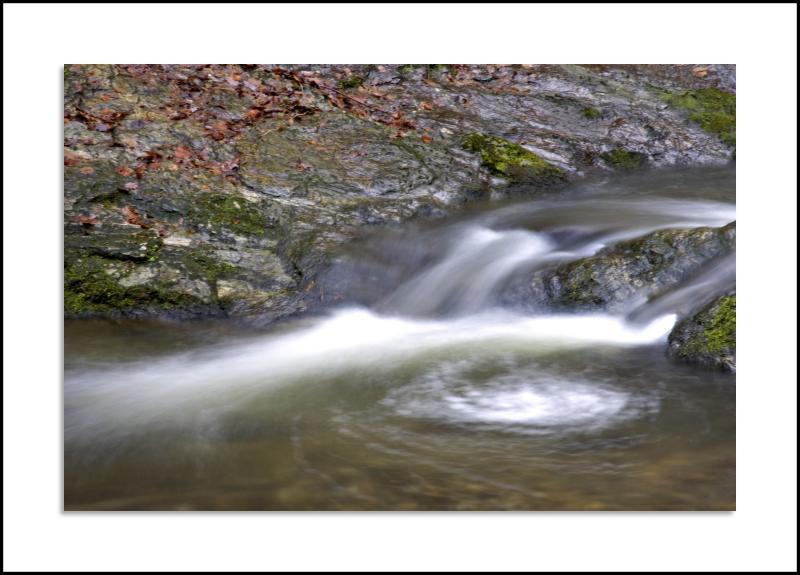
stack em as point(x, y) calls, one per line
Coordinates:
point(89, 289)
point(231, 213)
point(351, 82)
point(510, 160)
point(591, 113)
point(624, 159)
point(204, 263)
point(719, 328)
point(713, 109)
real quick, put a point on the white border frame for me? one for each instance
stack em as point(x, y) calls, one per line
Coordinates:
point(761, 39)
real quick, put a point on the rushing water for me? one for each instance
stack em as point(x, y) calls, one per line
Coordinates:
point(432, 384)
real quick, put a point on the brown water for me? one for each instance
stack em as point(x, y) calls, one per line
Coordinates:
point(431, 389)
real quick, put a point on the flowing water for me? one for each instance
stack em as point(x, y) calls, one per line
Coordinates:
point(431, 382)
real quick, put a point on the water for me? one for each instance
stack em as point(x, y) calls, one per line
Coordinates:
point(431, 384)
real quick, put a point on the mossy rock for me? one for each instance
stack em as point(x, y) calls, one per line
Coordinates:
point(624, 159)
point(591, 113)
point(630, 270)
point(708, 337)
point(351, 82)
point(713, 109)
point(229, 212)
point(512, 161)
point(92, 287)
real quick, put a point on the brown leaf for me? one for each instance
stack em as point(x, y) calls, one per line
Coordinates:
point(88, 220)
point(125, 171)
point(74, 158)
point(426, 105)
point(133, 217)
point(426, 138)
point(87, 170)
point(182, 153)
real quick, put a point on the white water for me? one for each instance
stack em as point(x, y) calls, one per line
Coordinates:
point(444, 307)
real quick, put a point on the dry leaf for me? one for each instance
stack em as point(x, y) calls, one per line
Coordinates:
point(182, 153)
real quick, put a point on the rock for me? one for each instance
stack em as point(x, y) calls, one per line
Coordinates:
point(258, 174)
point(513, 161)
point(633, 270)
point(709, 337)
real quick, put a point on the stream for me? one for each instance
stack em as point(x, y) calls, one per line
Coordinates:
point(429, 382)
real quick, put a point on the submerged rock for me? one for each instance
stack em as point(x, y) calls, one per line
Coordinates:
point(708, 337)
point(633, 270)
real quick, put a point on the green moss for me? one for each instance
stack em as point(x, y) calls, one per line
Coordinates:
point(717, 335)
point(351, 82)
point(510, 160)
point(591, 113)
point(713, 109)
point(624, 159)
point(719, 327)
point(407, 69)
point(229, 212)
point(435, 70)
point(88, 289)
point(204, 263)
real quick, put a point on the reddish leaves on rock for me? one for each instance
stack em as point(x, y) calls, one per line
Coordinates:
point(182, 153)
point(301, 167)
point(74, 158)
point(219, 130)
point(400, 121)
point(227, 169)
point(88, 220)
point(133, 217)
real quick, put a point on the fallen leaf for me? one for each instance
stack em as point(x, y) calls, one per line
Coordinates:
point(87, 170)
point(88, 220)
point(426, 105)
point(74, 158)
point(133, 217)
point(426, 138)
point(125, 171)
point(130, 186)
point(182, 153)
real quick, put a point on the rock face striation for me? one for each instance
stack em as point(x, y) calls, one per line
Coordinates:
point(222, 190)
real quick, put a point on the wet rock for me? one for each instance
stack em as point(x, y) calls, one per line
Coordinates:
point(240, 182)
point(633, 270)
point(513, 161)
point(708, 337)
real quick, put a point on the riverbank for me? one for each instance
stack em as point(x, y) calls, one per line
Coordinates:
point(195, 191)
